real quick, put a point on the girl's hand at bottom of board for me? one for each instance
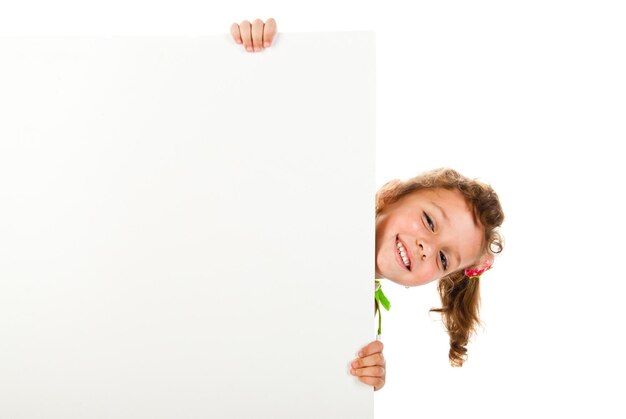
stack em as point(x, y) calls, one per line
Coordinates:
point(370, 366)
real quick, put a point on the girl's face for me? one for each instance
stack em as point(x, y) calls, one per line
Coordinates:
point(436, 228)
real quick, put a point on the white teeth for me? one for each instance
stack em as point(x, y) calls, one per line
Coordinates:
point(403, 253)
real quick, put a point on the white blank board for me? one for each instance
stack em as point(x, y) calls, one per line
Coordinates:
point(186, 229)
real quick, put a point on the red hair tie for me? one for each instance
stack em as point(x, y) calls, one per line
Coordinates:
point(477, 270)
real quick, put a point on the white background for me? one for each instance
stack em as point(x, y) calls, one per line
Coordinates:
point(529, 96)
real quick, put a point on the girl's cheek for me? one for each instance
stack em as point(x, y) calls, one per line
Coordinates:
point(425, 275)
point(431, 275)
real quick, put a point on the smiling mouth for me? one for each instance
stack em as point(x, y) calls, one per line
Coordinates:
point(399, 256)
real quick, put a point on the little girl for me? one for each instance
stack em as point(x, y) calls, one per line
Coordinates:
point(438, 225)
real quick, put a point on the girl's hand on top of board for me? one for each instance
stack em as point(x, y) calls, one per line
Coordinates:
point(254, 36)
point(371, 366)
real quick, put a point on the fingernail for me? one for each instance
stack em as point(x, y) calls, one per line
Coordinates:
point(361, 353)
point(257, 49)
point(267, 44)
point(249, 49)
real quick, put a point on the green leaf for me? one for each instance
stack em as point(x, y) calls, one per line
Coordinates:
point(382, 299)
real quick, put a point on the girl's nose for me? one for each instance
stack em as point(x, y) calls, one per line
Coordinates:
point(425, 250)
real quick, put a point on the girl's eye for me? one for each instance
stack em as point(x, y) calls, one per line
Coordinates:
point(444, 261)
point(429, 221)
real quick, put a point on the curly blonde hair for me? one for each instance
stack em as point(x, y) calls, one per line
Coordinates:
point(460, 297)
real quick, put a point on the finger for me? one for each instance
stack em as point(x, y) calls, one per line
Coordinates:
point(371, 348)
point(246, 36)
point(370, 372)
point(375, 382)
point(269, 32)
point(257, 34)
point(234, 31)
point(376, 359)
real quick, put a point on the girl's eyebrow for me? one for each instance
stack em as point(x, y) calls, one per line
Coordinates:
point(443, 213)
point(455, 254)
